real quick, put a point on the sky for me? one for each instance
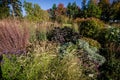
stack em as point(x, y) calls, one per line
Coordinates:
point(46, 4)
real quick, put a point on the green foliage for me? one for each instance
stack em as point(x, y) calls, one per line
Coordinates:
point(111, 69)
point(32, 31)
point(10, 7)
point(93, 10)
point(90, 59)
point(62, 19)
point(73, 10)
point(16, 8)
point(110, 39)
point(35, 13)
point(90, 27)
point(84, 9)
point(41, 64)
point(75, 27)
point(92, 42)
point(111, 34)
point(91, 52)
point(104, 5)
point(4, 9)
point(52, 12)
point(12, 68)
point(115, 10)
point(66, 68)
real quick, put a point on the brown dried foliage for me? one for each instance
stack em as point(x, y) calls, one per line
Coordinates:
point(13, 37)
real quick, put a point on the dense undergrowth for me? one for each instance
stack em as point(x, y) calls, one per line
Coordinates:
point(46, 51)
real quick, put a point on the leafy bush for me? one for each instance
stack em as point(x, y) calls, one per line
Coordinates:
point(63, 35)
point(75, 27)
point(90, 27)
point(91, 51)
point(38, 31)
point(108, 35)
point(112, 34)
point(110, 39)
point(92, 42)
point(41, 64)
point(63, 19)
point(90, 59)
point(13, 38)
point(111, 68)
point(12, 68)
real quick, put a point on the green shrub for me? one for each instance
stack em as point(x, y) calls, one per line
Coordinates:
point(110, 39)
point(111, 34)
point(92, 42)
point(42, 64)
point(46, 63)
point(75, 27)
point(65, 68)
point(63, 19)
point(12, 68)
point(111, 68)
point(89, 57)
point(91, 51)
point(90, 27)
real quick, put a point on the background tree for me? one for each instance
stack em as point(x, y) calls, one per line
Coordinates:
point(69, 10)
point(73, 10)
point(93, 10)
point(4, 9)
point(105, 7)
point(52, 12)
point(16, 8)
point(61, 10)
point(35, 13)
point(115, 10)
point(84, 9)
point(29, 10)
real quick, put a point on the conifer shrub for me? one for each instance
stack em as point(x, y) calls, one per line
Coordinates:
point(90, 27)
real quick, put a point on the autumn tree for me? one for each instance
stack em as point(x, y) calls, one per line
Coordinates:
point(61, 10)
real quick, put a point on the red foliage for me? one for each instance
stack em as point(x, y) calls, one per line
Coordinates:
point(61, 9)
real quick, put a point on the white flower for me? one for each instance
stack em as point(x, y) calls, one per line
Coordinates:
point(91, 75)
point(112, 33)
